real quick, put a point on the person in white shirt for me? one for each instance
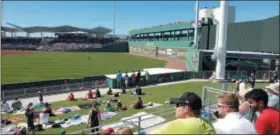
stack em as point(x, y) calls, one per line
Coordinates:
point(147, 77)
point(273, 95)
point(5, 107)
point(242, 85)
point(230, 120)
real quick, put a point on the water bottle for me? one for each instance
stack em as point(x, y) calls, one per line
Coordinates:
point(204, 115)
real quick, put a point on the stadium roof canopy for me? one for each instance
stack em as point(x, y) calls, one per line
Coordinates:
point(64, 28)
point(10, 29)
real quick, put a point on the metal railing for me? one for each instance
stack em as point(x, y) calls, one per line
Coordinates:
point(28, 92)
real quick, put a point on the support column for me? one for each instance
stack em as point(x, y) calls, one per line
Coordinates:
point(220, 66)
point(196, 24)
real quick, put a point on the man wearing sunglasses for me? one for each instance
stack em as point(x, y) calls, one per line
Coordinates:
point(188, 107)
point(231, 121)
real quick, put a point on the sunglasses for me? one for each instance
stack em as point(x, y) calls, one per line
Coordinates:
point(220, 106)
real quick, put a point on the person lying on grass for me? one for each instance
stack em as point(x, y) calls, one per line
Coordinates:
point(71, 97)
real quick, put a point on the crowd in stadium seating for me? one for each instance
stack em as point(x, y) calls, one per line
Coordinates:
point(56, 44)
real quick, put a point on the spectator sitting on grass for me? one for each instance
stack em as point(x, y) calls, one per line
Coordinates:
point(16, 105)
point(97, 93)
point(138, 104)
point(119, 104)
point(110, 92)
point(48, 109)
point(108, 107)
point(71, 97)
point(5, 107)
point(89, 94)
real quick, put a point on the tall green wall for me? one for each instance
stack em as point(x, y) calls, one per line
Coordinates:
point(256, 36)
point(178, 26)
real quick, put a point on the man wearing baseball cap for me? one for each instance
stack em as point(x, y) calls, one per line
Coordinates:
point(188, 107)
point(273, 95)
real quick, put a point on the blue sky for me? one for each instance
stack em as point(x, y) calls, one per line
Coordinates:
point(129, 14)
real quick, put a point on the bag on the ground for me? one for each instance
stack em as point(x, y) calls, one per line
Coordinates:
point(66, 110)
point(39, 127)
point(56, 125)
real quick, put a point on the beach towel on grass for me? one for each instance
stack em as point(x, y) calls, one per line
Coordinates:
point(84, 119)
point(149, 106)
point(63, 110)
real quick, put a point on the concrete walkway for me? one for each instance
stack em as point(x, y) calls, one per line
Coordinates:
point(82, 94)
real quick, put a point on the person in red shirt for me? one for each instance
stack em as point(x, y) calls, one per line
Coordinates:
point(71, 97)
point(268, 121)
point(89, 94)
point(133, 78)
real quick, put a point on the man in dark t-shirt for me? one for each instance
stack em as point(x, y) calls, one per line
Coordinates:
point(93, 120)
point(138, 77)
point(29, 113)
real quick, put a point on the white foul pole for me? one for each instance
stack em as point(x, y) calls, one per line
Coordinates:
point(114, 20)
point(222, 42)
point(196, 23)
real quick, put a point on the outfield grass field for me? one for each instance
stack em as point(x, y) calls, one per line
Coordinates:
point(154, 94)
point(38, 66)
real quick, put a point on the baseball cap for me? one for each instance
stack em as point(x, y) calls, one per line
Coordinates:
point(273, 87)
point(190, 99)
